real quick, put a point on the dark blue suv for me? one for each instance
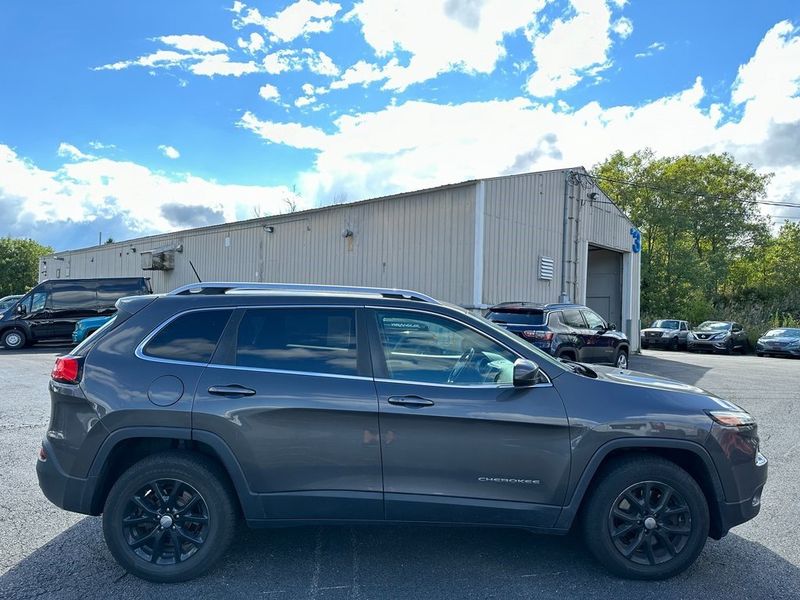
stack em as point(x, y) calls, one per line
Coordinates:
point(568, 331)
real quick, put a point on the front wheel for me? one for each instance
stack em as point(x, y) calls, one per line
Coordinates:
point(14, 339)
point(169, 517)
point(621, 359)
point(646, 519)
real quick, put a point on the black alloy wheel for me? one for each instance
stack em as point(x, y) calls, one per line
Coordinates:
point(166, 522)
point(650, 523)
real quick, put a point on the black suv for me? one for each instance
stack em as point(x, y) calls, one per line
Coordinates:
point(50, 310)
point(289, 405)
point(569, 331)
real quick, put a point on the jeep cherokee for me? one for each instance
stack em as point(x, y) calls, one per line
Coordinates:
point(295, 404)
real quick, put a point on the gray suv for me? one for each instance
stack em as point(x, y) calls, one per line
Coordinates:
point(288, 405)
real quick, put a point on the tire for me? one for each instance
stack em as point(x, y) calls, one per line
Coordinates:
point(567, 355)
point(621, 358)
point(688, 522)
point(195, 493)
point(14, 339)
point(645, 345)
point(673, 344)
point(759, 354)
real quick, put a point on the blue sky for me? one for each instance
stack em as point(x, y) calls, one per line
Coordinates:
point(134, 118)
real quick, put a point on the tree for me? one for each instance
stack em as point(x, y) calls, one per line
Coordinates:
point(698, 215)
point(19, 264)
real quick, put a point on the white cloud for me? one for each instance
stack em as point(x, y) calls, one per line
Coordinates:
point(269, 92)
point(651, 49)
point(220, 64)
point(169, 151)
point(193, 43)
point(440, 35)
point(303, 17)
point(289, 134)
point(97, 145)
point(304, 101)
point(363, 73)
point(623, 27)
point(295, 60)
point(69, 151)
point(253, 44)
point(91, 189)
point(573, 48)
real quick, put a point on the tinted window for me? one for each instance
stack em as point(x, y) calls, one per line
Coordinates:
point(431, 349)
point(573, 318)
point(594, 320)
point(521, 317)
point(108, 292)
point(35, 302)
point(191, 337)
point(72, 295)
point(316, 340)
point(683, 326)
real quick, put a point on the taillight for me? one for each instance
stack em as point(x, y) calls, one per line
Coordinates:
point(66, 370)
point(537, 335)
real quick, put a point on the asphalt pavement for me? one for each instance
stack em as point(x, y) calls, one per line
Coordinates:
point(49, 553)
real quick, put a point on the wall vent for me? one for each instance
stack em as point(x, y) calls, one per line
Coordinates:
point(546, 268)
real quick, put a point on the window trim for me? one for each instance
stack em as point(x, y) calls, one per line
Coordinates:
point(379, 356)
point(139, 351)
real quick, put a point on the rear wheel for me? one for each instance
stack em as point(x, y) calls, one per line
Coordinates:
point(621, 358)
point(14, 339)
point(646, 519)
point(169, 517)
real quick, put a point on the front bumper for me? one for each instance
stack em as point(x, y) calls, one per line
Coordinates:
point(708, 345)
point(65, 491)
point(658, 341)
point(780, 351)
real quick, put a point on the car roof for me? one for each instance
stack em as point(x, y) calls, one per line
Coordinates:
point(536, 306)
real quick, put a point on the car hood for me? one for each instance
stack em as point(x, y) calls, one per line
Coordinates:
point(657, 330)
point(637, 378)
point(782, 340)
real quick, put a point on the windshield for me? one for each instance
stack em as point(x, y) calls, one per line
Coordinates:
point(518, 316)
point(665, 324)
point(773, 333)
point(714, 326)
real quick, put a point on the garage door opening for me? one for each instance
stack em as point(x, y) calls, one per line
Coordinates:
point(604, 284)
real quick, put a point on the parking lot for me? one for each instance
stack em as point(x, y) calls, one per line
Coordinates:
point(46, 552)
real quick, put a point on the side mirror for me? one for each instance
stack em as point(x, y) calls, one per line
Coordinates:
point(526, 373)
point(21, 310)
point(612, 327)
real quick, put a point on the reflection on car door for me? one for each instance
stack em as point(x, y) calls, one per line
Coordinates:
point(459, 442)
point(71, 301)
point(291, 391)
point(574, 318)
point(601, 345)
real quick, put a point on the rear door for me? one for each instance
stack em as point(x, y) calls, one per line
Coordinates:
point(290, 391)
point(573, 318)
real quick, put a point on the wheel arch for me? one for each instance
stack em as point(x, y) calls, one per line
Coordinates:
point(124, 447)
point(690, 456)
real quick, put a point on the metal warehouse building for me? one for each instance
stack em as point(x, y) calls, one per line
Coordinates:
point(539, 237)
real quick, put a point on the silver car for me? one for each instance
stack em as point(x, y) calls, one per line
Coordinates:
point(665, 333)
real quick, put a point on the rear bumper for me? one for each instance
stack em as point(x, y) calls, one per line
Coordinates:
point(65, 491)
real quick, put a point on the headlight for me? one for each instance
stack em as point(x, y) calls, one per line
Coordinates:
point(794, 344)
point(731, 418)
point(666, 334)
point(690, 336)
point(721, 336)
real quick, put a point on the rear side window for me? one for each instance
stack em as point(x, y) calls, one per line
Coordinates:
point(77, 295)
point(311, 340)
point(108, 292)
point(191, 337)
point(521, 317)
point(573, 318)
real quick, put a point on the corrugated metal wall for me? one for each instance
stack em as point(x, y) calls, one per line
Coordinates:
point(422, 240)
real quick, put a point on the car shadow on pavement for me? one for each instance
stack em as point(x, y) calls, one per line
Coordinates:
point(38, 349)
point(677, 369)
point(397, 562)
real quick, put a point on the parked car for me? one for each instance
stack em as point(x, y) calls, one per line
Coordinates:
point(779, 342)
point(50, 310)
point(86, 327)
point(7, 302)
point(665, 333)
point(291, 405)
point(568, 331)
point(718, 336)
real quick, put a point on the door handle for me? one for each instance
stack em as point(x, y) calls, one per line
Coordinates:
point(410, 401)
point(230, 390)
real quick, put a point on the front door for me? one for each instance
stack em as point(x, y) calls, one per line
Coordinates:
point(290, 390)
point(601, 345)
point(459, 442)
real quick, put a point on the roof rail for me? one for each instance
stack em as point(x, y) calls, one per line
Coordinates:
point(221, 287)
